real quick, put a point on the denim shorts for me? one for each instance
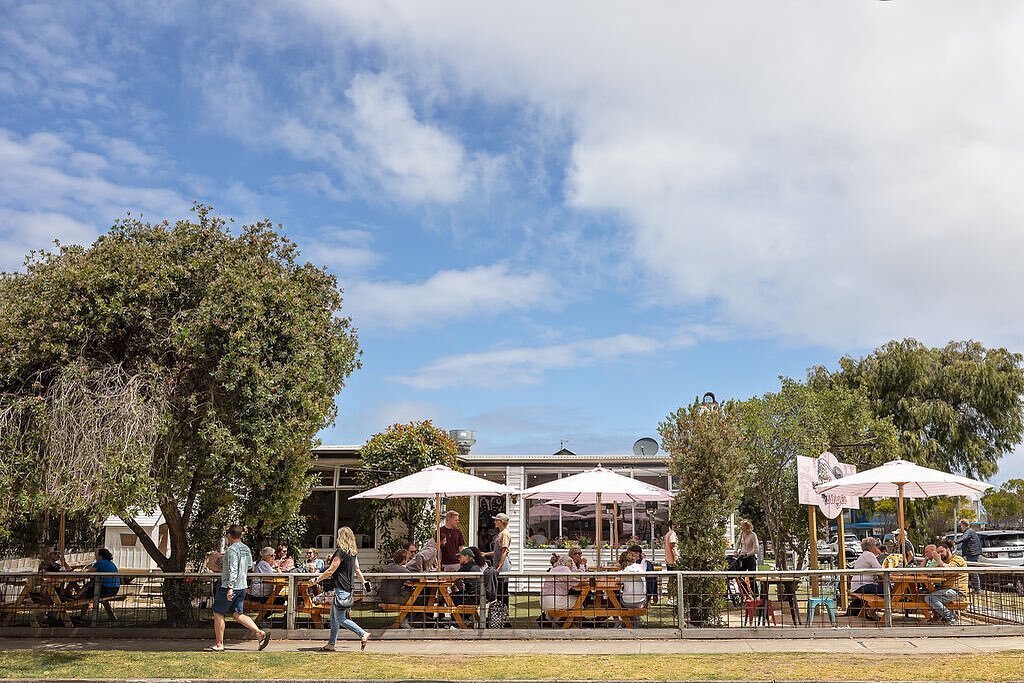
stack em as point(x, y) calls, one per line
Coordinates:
point(225, 607)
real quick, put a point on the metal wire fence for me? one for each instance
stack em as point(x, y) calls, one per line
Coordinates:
point(532, 600)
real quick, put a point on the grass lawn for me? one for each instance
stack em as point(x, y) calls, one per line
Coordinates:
point(271, 665)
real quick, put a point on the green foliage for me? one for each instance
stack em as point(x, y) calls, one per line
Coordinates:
point(214, 357)
point(801, 421)
point(706, 455)
point(956, 408)
point(1005, 505)
point(398, 451)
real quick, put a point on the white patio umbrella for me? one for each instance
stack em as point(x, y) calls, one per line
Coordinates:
point(597, 486)
point(435, 482)
point(903, 479)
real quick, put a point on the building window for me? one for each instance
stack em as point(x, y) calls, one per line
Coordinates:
point(318, 509)
point(128, 540)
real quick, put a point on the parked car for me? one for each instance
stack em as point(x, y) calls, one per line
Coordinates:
point(1000, 547)
point(849, 541)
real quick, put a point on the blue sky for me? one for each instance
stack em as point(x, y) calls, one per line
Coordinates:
point(554, 222)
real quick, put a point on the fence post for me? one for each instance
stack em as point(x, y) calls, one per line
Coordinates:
point(680, 609)
point(887, 592)
point(97, 582)
point(481, 609)
point(289, 615)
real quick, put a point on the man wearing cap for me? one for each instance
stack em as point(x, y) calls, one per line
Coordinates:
point(467, 592)
point(452, 542)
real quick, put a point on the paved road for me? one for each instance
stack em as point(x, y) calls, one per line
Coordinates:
point(876, 646)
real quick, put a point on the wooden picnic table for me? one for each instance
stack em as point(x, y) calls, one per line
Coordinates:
point(268, 604)
point(604, 589)
point(42, 594)
point(431, 594)
point(908, 591)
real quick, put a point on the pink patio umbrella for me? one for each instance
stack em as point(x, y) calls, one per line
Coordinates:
point(594, 487)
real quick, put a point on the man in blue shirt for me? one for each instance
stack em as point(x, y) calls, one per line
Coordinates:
point(230, 596)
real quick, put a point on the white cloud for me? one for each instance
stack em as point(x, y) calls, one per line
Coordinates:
point(372, 139)
point(343, 250)
point(51, 190)
point(526, 365)
point(445, 297)
point(831, 173)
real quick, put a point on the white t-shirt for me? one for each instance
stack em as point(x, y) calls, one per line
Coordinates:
point(670, 547)
point(634, 590)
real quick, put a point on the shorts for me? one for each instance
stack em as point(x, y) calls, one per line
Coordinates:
point(225, 607)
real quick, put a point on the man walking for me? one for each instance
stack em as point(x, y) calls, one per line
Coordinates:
point(230, 597)
point(970, 548)
point(452, 542)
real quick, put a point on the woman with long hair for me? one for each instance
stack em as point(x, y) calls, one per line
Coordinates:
point(344, 564)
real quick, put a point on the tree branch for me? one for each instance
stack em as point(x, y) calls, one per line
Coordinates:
point(145, 539)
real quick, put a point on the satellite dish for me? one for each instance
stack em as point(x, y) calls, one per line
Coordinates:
point(645, 446)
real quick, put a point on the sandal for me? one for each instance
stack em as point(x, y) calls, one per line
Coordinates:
point(327, 648)
point(362, 642)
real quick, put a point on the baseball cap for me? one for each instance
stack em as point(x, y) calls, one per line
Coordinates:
point(467, 552)
point(501, 516)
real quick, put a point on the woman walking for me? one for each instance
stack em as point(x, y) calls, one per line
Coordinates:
point(344, 564)
point(746, 551)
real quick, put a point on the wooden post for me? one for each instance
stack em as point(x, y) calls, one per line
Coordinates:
point(903, 526)
point(615, 529)
point(437, 529)
point(60, 540)
point(598, 532)
point(812, 524)
point(841, 561)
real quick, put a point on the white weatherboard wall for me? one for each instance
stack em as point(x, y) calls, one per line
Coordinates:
point(516, 478)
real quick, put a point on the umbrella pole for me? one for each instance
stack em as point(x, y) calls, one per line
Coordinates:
point(598, 532)
point(903, 529)
point(437, 530)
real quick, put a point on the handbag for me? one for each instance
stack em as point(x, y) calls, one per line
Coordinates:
point(344, 599)
point(497, 615)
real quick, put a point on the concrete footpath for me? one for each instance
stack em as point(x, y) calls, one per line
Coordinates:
point(567, 646)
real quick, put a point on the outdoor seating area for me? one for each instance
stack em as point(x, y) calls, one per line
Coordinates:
point(769, 600)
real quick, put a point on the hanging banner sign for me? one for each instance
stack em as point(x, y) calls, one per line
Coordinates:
point(825, 468)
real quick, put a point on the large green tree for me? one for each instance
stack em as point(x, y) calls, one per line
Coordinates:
point(398, 451)
point(706, 456)
point(183, 367)
point(1005, 506)
point(956, 408)
point(800, 420)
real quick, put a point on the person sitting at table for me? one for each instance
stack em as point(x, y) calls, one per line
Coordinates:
point(394, 591)
point(554, 592)
point(467, 592)
point(424, 560)
point(894, 560)
point(109, 585)
point(539, 537)
point(954, 586)
point(285, 561)
point(314, 563)
point(579, 563)
point(650, 582)
point(865, 583)
point(929, 551)
point(634, 590)
point(267, 565)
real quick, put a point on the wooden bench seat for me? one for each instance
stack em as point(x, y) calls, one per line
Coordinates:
point(61, 609)
point(876, 601)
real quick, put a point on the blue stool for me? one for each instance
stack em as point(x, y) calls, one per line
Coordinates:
point(828, 603)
